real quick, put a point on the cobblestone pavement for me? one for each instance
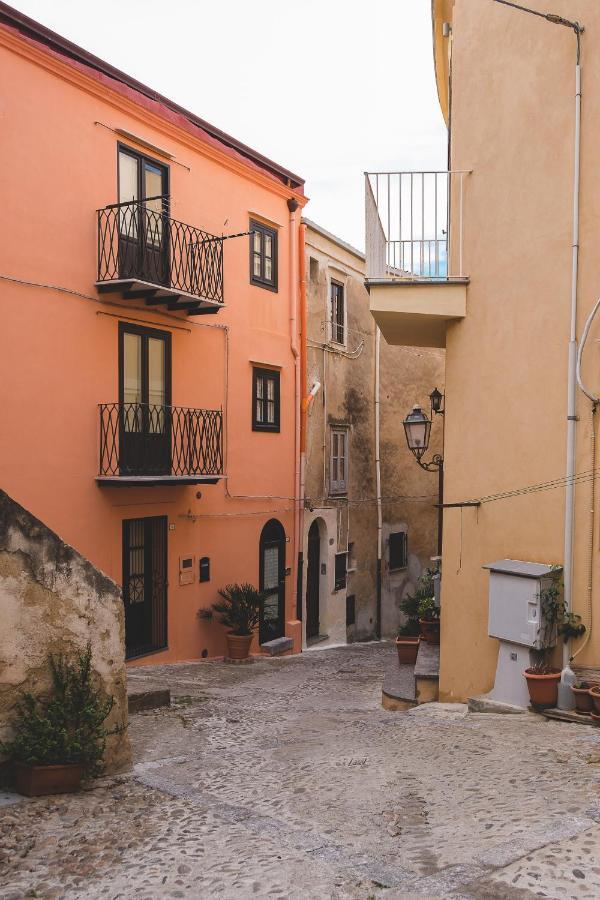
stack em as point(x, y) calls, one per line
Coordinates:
point(286, 778)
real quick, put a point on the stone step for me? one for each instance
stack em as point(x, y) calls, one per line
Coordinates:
point(137, 701)
point(427, 672)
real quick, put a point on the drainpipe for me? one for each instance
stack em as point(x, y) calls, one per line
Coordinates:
point(303, 411)
point(572, 365)
point(293, 292)
point(378, 479)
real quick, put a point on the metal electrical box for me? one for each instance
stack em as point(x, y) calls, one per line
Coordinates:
point(514, 601)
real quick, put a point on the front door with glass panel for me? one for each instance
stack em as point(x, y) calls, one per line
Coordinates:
point(144, 401)
point(145, 585)
point(272, 581)
point(143, 218)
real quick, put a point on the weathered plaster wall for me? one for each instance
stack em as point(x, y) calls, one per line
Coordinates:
point(347, 397)
point(52, 600)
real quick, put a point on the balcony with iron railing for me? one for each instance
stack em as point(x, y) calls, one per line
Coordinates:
point(144, 253)
point(414, 254)
point(144, 444)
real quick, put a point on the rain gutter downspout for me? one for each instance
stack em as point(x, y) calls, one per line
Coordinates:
point(303, 411)
point(378, 478)
point(293, 204)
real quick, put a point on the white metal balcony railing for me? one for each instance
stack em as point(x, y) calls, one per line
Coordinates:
point(407, 225)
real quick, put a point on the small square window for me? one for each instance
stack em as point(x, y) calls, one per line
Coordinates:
point(263, 256)
point(338, 462)
point(341, 568)
point(337, 313)
point(265, 400)
point(398, 550)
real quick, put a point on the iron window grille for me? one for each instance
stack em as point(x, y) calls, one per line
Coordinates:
point(341, 569)
point(338, 463)
point(263, 255)
point(265, 400)
point(398, 550)
point(337, 312)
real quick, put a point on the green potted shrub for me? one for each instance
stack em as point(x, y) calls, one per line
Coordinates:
point(542, 677)
point(239, 611)
point(428, 612)
point(407, 640)
point(60, 738)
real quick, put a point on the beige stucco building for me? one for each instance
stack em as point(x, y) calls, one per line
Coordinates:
point(500, 298)
point(340, 597)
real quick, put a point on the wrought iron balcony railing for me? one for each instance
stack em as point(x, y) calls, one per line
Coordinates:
point(169, 442)
point(408, 233)
point(140, 242)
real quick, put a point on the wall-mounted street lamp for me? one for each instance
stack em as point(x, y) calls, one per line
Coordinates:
point(417, 428)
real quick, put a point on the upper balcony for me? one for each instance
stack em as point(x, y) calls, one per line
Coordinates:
point(145, 254)
point(414, 273)
point(146, 444)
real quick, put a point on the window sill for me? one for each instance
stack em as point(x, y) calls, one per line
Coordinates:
point(267, 287)
point(268, 428)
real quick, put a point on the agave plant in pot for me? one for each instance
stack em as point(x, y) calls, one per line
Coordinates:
point(239, 611)
point(60, 738)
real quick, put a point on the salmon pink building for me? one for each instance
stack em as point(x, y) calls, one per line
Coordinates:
point(149, 275)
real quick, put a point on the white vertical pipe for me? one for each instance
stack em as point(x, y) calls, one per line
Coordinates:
point(572, 369)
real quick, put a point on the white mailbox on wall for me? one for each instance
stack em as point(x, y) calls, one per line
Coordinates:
point(515, 619)
point(514, 600)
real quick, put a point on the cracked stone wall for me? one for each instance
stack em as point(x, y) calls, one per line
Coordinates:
point(53, 600)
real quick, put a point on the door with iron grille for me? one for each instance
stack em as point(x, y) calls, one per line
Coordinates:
point(144, 401)
point(272, 581)
point(145, 585)
point(313, 580)
point(143, 218)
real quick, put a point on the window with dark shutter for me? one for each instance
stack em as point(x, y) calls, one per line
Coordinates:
point(338, 462)
point(338, 313)
point(398, 550)
point(341, 563)
point(265, 400)
point(263, 256)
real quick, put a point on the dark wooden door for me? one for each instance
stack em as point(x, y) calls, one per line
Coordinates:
point(145, 584)
point(143, 219)
point(272, 581)
point(145, 401)
point(313, 577)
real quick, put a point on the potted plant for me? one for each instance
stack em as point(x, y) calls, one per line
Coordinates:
point(429, 620)
point(594, 693)
point(543, 678)
point(60, 739)
point(584, 702)
point(408, 640)
point(239, 611)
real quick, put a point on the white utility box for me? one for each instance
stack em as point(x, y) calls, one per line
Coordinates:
point(515, 619)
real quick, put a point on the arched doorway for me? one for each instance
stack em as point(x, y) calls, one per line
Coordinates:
point(272, 581)
point(313, 580)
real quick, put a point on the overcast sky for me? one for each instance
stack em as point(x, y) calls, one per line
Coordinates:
point(327, 88)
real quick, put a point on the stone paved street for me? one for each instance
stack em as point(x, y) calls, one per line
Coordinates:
point(286, 778)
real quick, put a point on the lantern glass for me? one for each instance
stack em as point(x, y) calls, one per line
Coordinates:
point(436, 398)
point(417, 428)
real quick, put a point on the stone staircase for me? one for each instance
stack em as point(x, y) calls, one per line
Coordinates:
point(405, 686)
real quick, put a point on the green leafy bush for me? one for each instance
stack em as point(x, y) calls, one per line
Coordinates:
point(419, 605)
point(238, 609)
point(68, 725)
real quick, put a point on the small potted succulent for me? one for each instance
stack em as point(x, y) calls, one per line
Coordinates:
point(584, 702)
point(239, 611)
point(60, 739)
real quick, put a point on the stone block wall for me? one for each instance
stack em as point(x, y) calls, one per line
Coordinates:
point(53, 600)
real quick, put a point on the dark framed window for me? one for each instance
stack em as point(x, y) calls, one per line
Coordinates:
point(398, 550)
point(337, 312)
point(338, 462)
point(263, 255)
point(265, 400)
point(350, 610)
point(341, 568)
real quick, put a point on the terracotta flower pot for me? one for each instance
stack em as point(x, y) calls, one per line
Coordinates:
point(36, 781)
point(430, 630)
point(594, 693)
point(584, 703)
point(407, 648)
point(543, 688)
point(238, 645)
point(595, 718)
